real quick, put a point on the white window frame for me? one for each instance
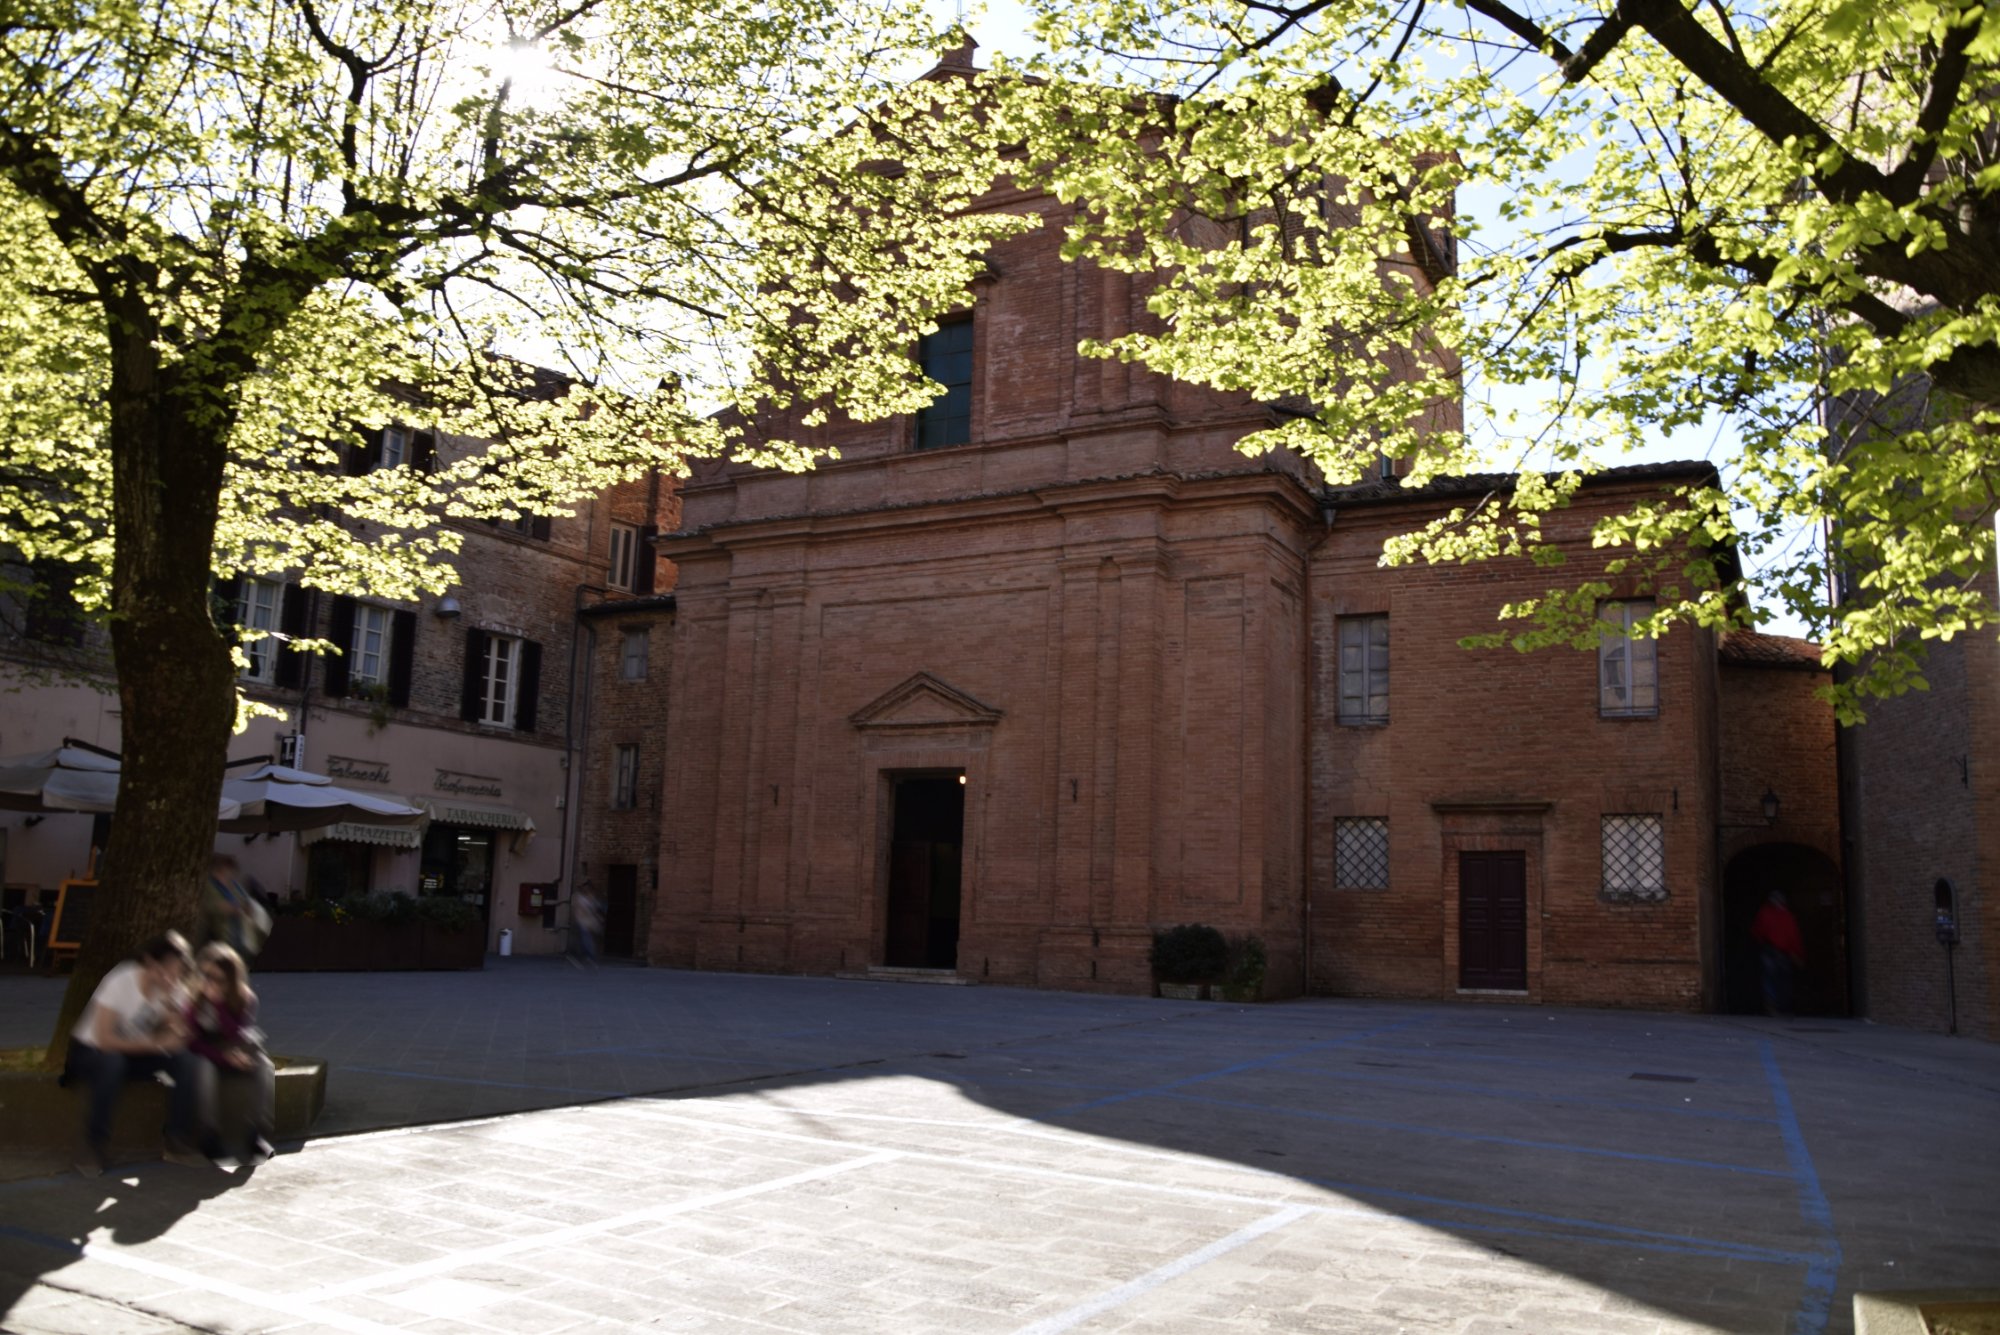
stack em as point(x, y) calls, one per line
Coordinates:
point(1628, 667)
point(368, 663)
point(623, 571)
point(395, 450)
point(625, 777)
point(632, 664)
point(254, 613)
point(1356, 647)
point(500, 681)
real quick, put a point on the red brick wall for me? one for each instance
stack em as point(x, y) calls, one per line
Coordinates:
point(1924, 803)
point(1150, 615)
point(1497, 750)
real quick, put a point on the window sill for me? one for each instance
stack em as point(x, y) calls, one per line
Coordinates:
point(1628, 716)
point(1362, 722)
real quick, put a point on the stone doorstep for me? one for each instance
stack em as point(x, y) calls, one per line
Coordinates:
point(1928, 1312)
point(38, 1114)
point(886, 973)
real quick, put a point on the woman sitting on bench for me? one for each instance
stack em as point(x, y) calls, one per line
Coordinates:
point(224, 1038)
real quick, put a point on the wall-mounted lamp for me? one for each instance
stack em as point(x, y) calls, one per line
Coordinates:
point(1327, 514)
point(33, 821)
point(447, 607)
point(1770, 804)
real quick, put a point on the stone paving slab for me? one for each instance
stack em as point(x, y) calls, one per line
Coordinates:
point(645, 1149)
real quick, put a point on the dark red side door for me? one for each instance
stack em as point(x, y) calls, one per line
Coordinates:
point(1493, 920)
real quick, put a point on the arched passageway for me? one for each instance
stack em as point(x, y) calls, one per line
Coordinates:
point(1812, 886)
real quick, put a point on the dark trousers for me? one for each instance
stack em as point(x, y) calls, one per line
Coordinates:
point(104, 1075)
point(1778, 970)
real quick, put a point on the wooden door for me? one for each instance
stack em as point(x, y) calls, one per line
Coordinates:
point(1493, 921)
point(621, 909)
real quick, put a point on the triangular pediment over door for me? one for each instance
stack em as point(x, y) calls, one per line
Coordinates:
point(925, 702)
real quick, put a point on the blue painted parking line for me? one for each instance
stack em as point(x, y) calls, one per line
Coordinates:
point(1413, 1128)
point(1815, 1307)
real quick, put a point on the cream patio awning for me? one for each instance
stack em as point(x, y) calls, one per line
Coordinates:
point(358, 832)
point(447, 811)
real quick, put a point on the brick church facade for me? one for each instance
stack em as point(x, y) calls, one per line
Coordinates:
point(1006, 687)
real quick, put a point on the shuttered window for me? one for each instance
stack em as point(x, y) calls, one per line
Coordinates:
point(1364, 670)
point(1628, 670)
point(258, 602)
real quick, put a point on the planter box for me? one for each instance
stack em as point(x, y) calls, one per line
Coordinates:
point(38, 1114)
point(299, 944)
point(1183, 991)
point(461, 949)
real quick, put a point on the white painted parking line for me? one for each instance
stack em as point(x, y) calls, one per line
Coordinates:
point(1174, 1269)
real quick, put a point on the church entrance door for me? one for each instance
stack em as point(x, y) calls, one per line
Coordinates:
point(926, 844)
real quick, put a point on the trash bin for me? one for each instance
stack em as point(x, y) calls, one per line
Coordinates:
point(506, 941)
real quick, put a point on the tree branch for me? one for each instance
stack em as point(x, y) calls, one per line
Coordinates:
point(1906, 182)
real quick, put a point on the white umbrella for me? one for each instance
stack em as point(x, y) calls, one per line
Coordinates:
point(68, 779)
point(274, 798)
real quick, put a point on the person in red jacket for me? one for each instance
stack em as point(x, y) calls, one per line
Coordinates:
point(1776, 933)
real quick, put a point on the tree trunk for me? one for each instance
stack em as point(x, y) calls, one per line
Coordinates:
point(176, 680)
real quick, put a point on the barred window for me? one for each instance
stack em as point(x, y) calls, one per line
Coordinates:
point(1635, 860)
point(1628, 671)
point(1361, 853)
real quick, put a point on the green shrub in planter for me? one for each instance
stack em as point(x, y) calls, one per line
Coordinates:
point(446, 913)
point(1189, 953)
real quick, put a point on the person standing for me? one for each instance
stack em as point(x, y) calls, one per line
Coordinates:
point(224, 1039)
point(1782, 951)
point(132, 1028)
point(229, 912)
point(586, 918)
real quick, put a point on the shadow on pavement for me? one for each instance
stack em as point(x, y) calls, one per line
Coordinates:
point(1733, 1173)
point(130, 1204)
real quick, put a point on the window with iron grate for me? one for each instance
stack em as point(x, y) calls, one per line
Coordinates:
point(1361, 853)
point(1635, 860)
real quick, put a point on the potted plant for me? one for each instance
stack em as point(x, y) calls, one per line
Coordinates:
point(1244, 977)
point(1186, 958)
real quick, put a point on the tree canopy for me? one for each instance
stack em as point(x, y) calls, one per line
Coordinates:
point(319, 215)
point(1774, 220)
point(236, 236)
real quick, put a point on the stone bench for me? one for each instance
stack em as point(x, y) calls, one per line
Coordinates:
point(37, 1114)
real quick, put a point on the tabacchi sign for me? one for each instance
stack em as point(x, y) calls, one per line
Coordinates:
point(367, 771)
point(466, 785)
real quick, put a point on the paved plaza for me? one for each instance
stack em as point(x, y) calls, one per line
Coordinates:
point(648, 1149)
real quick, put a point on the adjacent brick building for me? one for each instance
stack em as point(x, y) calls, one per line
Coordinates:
point(465, 705)
point(1921, 790)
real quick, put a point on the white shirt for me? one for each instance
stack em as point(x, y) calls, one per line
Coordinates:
point(134, 1015)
